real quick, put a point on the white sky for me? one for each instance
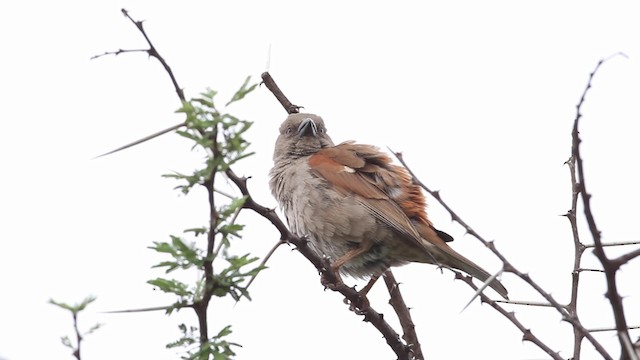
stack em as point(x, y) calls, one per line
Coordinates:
point(480, 97)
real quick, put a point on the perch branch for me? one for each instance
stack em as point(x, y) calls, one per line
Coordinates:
point(408, 327)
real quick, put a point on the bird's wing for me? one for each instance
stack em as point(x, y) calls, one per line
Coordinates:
point(389, 193)
point(365, 171)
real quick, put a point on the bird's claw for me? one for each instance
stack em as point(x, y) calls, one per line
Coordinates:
point(358, 309)
point(331, 284)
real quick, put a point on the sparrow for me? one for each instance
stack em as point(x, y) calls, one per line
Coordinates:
point(355, 206)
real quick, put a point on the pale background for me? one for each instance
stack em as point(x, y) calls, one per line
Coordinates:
point(479, 96)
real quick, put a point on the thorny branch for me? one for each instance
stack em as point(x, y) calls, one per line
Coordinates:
point(610, 266)
point(527, 334)
point(400, 307)
point(153, 52)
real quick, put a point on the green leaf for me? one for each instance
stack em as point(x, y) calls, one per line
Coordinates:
point(230, 229)
point(197, 231)
point(93, 328)
point(209, 94)
point(184, 255)
point(171, 286)
point(66, 342)
point(224, 332)
point(205, 102)
point(170, 265)
point(74, 308)
point(230, 209)
point(243, 91)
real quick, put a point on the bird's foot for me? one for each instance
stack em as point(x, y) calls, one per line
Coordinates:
point(331, 281)
point(359, 305)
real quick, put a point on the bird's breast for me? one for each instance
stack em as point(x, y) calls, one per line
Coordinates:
point(334, 222)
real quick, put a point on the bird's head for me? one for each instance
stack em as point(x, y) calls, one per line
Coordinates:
point(301, 135)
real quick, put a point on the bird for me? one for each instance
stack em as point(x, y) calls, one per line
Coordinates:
point(355, 206)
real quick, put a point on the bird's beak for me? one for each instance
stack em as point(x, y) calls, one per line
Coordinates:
point(307, 128)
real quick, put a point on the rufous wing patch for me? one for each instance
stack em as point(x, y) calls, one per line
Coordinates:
point(332, 164)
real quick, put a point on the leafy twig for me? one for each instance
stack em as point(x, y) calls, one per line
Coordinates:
point(75, 310)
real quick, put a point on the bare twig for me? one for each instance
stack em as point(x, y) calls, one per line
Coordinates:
point(482, 287)
point(527, 334)
point(589, 270)
point(149, 309)
point(578, 251)
point(623, 259)
point(268, 81)
point(621, 243)
point(612, 329)
point(610, 266)
point(153, 52)
point(526, 303)
point(118, 52)
point(140, 141)
point(265, 259)
point(408, 327)
point(76, 352)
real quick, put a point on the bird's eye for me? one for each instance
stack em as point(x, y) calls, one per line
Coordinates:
point(288, 131)
point(321, 130)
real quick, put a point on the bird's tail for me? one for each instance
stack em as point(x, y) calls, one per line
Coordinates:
point(460, 262)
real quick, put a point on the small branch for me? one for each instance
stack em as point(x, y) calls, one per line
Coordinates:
point(436, 195)
point(610, 266)
point(157, 308)
point(140, 141)
point(621, 243)
point(612, 329)
point(408, 327)
point(590, 270)
point(268, 81)
point(151, 51)
point(118, 52)
point(623, 259)
point(154, 53)
point(510, 315)
point(526, 303)
point(264, 260)
point(76, 352)
point(578, 251)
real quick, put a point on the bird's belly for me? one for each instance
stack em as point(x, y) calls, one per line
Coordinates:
point(336, 224)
